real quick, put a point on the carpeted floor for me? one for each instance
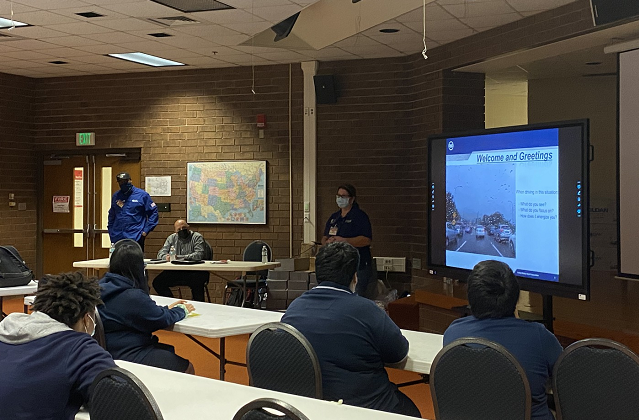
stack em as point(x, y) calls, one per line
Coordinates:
point(207, 365)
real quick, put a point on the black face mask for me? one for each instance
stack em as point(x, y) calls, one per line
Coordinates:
point(183, 233)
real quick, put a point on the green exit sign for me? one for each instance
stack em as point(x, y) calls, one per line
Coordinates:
point(85, 139)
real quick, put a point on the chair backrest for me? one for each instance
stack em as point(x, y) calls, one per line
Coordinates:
point(253, 251)
point(208, 251)
point(596, 378)
point(99, 331)
point(255, 411)
point(280, 358)
point(118, 394)
point(476, 379)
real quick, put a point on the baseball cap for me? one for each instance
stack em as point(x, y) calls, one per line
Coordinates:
point(123, 175)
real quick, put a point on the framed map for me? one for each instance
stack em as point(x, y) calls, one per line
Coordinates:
point(231, 192)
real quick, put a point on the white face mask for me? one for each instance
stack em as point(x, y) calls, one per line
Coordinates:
point(92, 331)
point(342, 202)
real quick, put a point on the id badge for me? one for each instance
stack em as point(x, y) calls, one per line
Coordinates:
point(332, 231)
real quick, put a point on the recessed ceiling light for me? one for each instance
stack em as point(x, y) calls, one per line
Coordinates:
point(389, 30)
point(58, 62)
point(8, 23)
point(160, 35)
point(593, 63)
point(89, 14)
point(147, 59)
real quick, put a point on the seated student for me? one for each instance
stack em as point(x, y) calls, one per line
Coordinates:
point(130, 316)
point(48, 359)
point(352, 337)
point(493, 292)
point(189, 246)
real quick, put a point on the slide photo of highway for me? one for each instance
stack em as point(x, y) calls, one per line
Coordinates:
point(481, 209)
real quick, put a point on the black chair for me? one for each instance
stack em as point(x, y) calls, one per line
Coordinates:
point(598, 379)
point(118, 394)
point(476, 379)
point(250, 289)
point(280, 358)
point(99, 331)
point(255, 411)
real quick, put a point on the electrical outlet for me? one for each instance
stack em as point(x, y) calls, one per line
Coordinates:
point(390, 264)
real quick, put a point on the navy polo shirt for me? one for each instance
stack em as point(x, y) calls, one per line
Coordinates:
point(534, 347)
point(353, 340)
point(355, 223)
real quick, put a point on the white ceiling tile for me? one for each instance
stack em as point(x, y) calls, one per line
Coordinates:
point(246, 59)
point(224, 16)
point(249, 49)
point(329, 53)
point(72, 41)
point(436, 26)
point(434, 12)
point(249, 28)
point(280, 56)
point(131, 24)
point(143, 9)
point(43, 17)
point(37, 32)
point(444, 37)
point(487, 22)
point(185, 41)
point(230, 41)
point(208, 30)
point(106, 13)
point(473, 9)
point(248, 4)
point(52, 4)
point(537, 5)
point(18, 9)
point(143, 46)
point(202, 61)
point(370, 50)
point(10, 62)
point(114, 37)
point(177, 54)
point(67, 53)
point(80, 28)
point(28, 44)
point(217, 51)
point(276, 14)
point(399, 38)
point(103, 49)
point(27, 55)
point(356, 40)
point(5, 47)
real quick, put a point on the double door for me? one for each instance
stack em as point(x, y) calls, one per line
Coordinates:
point(76, 198)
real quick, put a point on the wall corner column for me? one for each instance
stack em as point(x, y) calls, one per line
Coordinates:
point(309, 68)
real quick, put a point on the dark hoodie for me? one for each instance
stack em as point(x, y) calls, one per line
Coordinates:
point(47, 368)
point(130, 316)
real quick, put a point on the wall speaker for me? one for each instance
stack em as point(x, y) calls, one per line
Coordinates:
point(325, 89)
point(609, 11)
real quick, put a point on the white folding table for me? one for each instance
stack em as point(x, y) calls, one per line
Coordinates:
point(219, 321)
point(181, 396)
point(28, 289)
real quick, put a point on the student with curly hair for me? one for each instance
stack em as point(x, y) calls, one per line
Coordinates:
point(48, 359)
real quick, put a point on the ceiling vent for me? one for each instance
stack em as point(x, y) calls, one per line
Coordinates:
point(174, 21)
point(190, 6)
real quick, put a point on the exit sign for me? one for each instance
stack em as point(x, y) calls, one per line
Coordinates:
point(85, 139)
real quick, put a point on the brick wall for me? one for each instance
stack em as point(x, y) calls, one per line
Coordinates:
point(18, 166)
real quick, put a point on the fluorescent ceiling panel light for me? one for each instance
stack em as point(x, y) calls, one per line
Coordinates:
point(8, 23)
point(149, 60)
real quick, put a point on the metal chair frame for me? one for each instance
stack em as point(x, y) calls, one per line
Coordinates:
point(300, 337)
point(486, 343)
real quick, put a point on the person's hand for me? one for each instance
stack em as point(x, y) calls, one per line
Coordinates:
point(167, 257)
point(190, 307)
point(338, 239)
point(177, 302)
point(330, 239)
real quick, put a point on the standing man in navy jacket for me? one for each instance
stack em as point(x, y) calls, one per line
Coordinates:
point(133, 213)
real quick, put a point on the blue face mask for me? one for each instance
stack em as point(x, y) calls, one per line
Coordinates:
point(342, 202)
point(126, 188)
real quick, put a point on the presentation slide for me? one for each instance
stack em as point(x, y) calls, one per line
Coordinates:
point(502, 201)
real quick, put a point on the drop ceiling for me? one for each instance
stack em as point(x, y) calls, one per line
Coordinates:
point(213, 39)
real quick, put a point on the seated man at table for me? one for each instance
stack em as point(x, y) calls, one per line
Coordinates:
point(189, 246)
point(352, 337)
point(48, 359)
point(493, 292)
